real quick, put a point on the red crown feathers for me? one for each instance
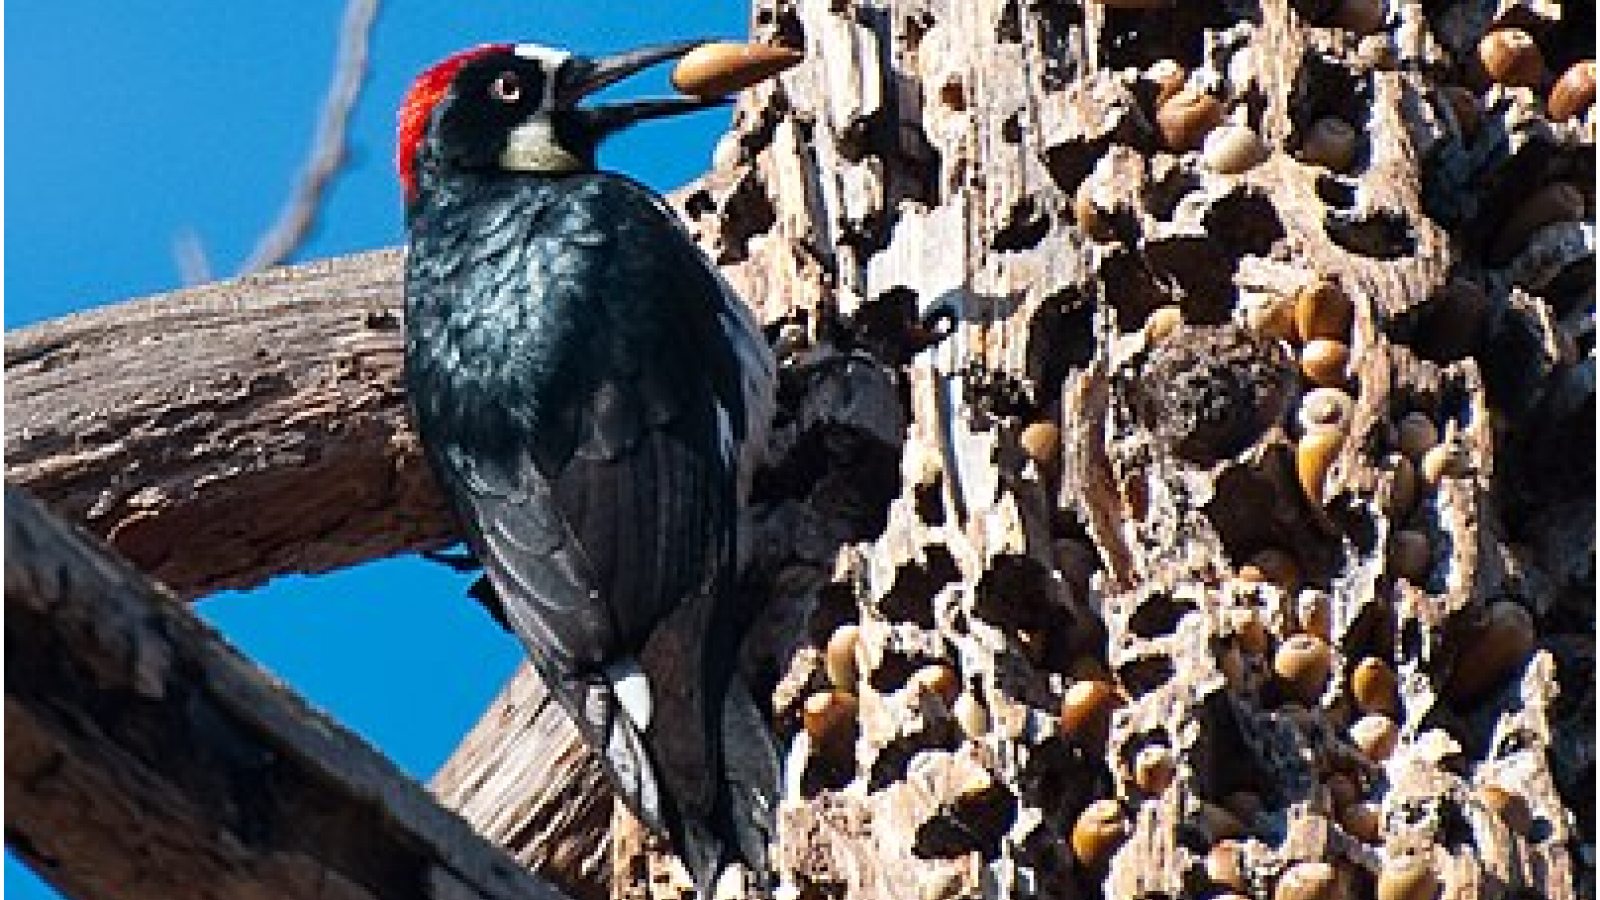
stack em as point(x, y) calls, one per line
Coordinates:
point(426, 92)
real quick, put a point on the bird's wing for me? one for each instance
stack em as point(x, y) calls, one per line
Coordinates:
point(603, 500)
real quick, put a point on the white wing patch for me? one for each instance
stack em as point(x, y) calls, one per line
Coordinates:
point(632, 687)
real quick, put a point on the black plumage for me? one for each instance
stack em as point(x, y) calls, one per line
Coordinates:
point(588, 390)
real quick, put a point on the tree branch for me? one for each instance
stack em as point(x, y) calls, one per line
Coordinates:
point(146, 759)
point(222, 435)
point(156, 422)
point(328, 150)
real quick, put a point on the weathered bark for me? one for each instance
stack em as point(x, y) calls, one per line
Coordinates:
point(524, 779)
point(146, 759)
point(159, 422)
point(998, 167)
point(222, 435)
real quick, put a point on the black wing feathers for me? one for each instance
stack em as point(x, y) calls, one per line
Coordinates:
point(574, 390)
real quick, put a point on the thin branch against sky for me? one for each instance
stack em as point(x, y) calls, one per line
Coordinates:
point(329, 149)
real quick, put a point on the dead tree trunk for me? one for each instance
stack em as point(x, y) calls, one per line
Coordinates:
point(1264, 418)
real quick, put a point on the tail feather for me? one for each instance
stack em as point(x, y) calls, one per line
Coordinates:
point(750, 763)
point(711, 791)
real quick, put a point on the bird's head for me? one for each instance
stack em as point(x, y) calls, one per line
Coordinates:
point(514, 108)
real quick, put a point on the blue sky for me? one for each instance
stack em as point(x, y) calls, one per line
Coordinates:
point(131, 123)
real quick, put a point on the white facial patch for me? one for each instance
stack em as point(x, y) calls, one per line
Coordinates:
point(550, 60)
point(532, 147)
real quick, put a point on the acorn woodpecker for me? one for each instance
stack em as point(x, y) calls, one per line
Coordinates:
point(590, 395)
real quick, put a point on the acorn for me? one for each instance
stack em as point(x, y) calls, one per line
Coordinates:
point(1187, 117)
point(1099, 830)
point(972, 715)
point(1363, 820)
point(1511, 808)
point(1375, 735)
point(1325, 407)
point(829, 717)
point(1307, 880)
point(1086, 709)
point(1313, 613)
point(1375, 687)
point(1359, 16)
point(718, 69)
point(1270, 318)
point(1161, 323)
point(1302, 664)
point(1232, 149)
point(1496, 648)
point(1325, 362)
point(1510, 57)
point(1225, 865)
point(1154, 768)
point(1446, 460)
point(1573, 92)
point(1408, 876)
point(1313, 457)
point(1168, 75)
point(1416, 434)
point(1330, 142)
point(1323, 310)
point(839, 657)
point(1042, 442)
point(1274, 566)
point(937, 679)
point(1558, 201)
point(1409, 554)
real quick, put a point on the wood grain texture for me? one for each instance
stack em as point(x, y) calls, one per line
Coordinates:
point(995, 166)
point(224, 435)
point(145, 758)
point(221, 435)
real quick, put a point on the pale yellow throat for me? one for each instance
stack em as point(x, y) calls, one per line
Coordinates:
point(532, 147)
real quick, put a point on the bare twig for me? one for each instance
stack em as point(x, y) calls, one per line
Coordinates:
point(190, 252)
point(328, 151)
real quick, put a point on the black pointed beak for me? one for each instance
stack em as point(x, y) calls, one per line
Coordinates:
point(580, 77)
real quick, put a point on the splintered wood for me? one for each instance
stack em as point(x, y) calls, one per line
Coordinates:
point(1248, 362)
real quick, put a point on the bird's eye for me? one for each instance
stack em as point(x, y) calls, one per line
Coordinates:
point(506, 87)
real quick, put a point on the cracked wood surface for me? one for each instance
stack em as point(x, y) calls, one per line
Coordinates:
point(147, 760)
point(221, 435)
